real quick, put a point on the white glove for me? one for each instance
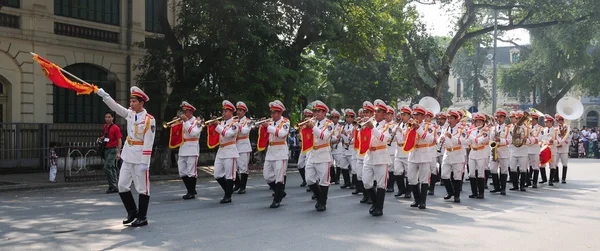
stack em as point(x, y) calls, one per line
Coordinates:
point(102, 93)
point(144, 167)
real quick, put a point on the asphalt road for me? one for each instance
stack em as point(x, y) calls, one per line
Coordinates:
point(564, 217)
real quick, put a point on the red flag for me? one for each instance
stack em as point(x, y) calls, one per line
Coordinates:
point(53, 73)
point(176, 136)
point(213, 138)
point(545, 155)
point(365, 140)
point(411, 140)
point(263, 138)
point(356, 140)
point(307, 139)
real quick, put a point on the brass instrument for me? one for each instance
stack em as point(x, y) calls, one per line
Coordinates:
point(466, 115)
point(494, 147)
point(208, 122)
point(259, 123)
point(518, 139)
point(369, 120)
point(171, 123)
point(297, 126)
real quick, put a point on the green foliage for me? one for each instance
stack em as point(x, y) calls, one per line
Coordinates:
point(469, 66)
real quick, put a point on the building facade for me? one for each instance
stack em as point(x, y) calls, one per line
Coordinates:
point(93, 39)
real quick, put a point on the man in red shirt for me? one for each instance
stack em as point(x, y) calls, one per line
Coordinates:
point(112, 151)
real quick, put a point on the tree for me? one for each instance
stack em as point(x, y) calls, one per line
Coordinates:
point(469, 66)
point(473, 23)
point(562, 58)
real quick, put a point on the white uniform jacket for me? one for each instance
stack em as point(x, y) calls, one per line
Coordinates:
point(377, 153)
point(563, 141)
point(191, 132)
point(348, 140)
point(479, 139)
point(454, 148)
point(243, 139)
point(140, 133)
point(391, 143)
point(321, 151)
point(278, 132)
point(400, 138)
point(336, 140)
point(227, 146)
point(422, 152)
point(549, 136)
point(535, 138)
point(503, 132)
point(523, 150)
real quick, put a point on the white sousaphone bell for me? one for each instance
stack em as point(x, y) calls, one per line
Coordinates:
point(569, 108)
point(431, 104)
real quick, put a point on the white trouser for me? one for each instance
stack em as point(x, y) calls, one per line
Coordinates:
point(448, 168)
point(553, 164)
point(275, 170)
point(391, 166)
point(242, 162)
point(302, 160)
point(400, 166)
point(502, 163)
point(477, 165)
point(347, 159)
point(132, 173)
point(359, 168)
point(187, 166)
point(418, 173)
point(354, 164)
point(225, 168)
point(377, 173)
point(563, 157)
point(341, 161)
point(519, 161)
point(53, 173)
point(534, 161)
point(317, 173)
point(433, 166)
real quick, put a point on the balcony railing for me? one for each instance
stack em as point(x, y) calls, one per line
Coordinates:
point(85, 33)
point(11, 21)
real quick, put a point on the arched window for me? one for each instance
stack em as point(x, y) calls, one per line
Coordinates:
point(591, 119)
point(83, 109)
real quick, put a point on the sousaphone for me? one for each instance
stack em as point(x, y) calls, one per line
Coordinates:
point(431, 104)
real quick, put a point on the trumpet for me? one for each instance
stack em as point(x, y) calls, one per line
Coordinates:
point(171, 123)
point(259, 123)
point(369, 120)
point(304, 123)
point(208, 122)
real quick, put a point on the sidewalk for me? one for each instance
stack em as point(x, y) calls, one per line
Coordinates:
point(32, 181)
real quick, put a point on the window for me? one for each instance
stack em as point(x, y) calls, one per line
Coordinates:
point(458, 88)
point(11, 3)
point(514, 57)
point(591, 119)
point(153, 8)
point(101, 11)
point(1, 88)
point(1, 113)
point(86, 109)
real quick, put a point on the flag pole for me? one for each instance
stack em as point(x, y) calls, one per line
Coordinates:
point(68, 73)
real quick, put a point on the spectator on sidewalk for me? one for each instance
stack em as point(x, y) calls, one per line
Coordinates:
point(594, 141)
point(112, 151)
point(53, 162)
point(585, 135)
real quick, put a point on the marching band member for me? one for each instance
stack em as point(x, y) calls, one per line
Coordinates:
point(354, 163)
point(368, 111)
point(534, 148)
point(276, 159)
point(419, 159)
point(550, 136)
point(227, 154)
point(348, 148)
point(502, 138)
point(433, 149)
point(391, 147)
point(337, 151)
point(319, 159)
point(308, 114)
point(520, 156)
point(377, 158)
point(513, 120)
point(141, 127)
point(189, 151)
point(401, 157)
point(479, 139)
point(562, 146)
point(453, 139)
point(243, 146)
point(441, 121)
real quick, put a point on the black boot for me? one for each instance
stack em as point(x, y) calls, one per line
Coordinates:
point(194, 180)
point(510, 175)
point(142, 211)
point(457, 185)
point(523, 181)
point(424, 190)
point(278, 195)
point(433, 180)
point(372, 192)
point(551, 179)
point(236, 183)
point(338, 172)
point(544, 177)
point(564, 175)
point(380, 199)
point(416, 195)
point(316, 192)
point(487, 176)
point(514, 177)
point(243, 183)
point(228, 192)
point(346, 175)
point(302, 174)
point(323, 198)
point(496, 181)
point(363, 190)
point(358, 187)
point(354, 181)
point(332, 174)
point(129, 203)
point(221, 182)
point(503, 178)
point(188, 186)
point(390, 182)
point(449, 189)
point(480, 188)
point(529, 175)
point(408, 190)
point(535, 178)
point(272, 186)
point(556, 177)
point(399, 180)
point(473, 182)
